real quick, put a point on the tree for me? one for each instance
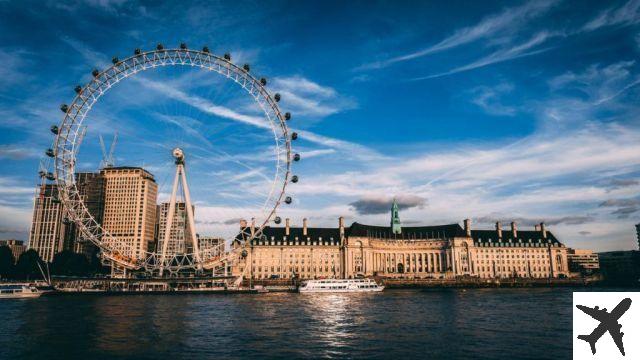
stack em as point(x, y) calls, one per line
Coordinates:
point(69, 263)
point(27, 266)
point(6, 262)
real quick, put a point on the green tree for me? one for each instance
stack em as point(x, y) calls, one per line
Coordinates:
point(68, 263)
point(27, 266)
point(6, 262)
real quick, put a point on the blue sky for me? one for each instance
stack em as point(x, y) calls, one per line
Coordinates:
point(521, 111)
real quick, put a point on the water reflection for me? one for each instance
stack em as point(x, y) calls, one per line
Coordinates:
point(526, 323)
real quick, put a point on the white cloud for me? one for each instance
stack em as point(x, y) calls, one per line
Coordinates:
point(488, 99)
point(627, 14)
point(509, 20)
point(502, 55)
point(304, 97)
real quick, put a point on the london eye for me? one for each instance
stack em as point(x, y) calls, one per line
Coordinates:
point(70, 131)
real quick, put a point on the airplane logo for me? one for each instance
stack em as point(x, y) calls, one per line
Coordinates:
point(608, 322)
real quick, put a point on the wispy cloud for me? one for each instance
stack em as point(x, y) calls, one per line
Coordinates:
point(307, 98)
point(510, 53)
point(627, 14)
point(508, 20)
point(17, 152)
point(489, 99)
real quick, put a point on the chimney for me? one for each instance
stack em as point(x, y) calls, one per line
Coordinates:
point(253, 227)
point(286, 226)
point(341, 225)
point(304, 226)
point(467, 227)
point(499, 229)
point(243, 223)
point(514, 229)
point(543, 229)
point(537, 227)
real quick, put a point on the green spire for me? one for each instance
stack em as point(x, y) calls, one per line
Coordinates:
point(396, 228)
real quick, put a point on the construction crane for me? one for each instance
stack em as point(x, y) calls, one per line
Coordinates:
point(107, 158)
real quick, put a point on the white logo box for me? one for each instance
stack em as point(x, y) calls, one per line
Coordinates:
point(584, 325)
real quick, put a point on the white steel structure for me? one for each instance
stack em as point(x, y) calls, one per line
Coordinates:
point(181, 176)
point(70, 132)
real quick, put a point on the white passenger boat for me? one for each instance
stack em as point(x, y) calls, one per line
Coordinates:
point(340, 285)
point(18, 291)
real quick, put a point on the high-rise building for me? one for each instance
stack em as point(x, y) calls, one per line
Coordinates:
point(91, 189)
point(211, 246)
point(179, 235)
point(130, 208)
point(47, 233)
point(638, 234)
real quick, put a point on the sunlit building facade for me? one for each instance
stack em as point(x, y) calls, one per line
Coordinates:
point(436, 252)
point(47, 232)
point(130, 208)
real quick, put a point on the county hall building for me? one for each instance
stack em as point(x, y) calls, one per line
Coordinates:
point(441, 251)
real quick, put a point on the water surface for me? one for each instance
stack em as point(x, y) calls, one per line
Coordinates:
point(442, 323)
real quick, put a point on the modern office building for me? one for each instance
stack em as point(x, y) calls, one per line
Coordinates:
point(638, 234)
point(48, 226)
point(91, 189)
point(583, 261)
point(17, 247)
point(179, 236)
point(129, 209)
point(620, 266)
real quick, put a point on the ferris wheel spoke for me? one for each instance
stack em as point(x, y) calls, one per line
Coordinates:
point(70, 132)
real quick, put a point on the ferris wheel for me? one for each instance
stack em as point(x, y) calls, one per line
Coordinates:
point(70, 132)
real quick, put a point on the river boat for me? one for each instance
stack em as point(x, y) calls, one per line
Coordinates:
point(340, 285)
point(18, 291)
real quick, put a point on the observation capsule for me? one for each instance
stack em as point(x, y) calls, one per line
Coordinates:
point(54, 129)
point(277, 97)
point(77, 89)
point(137, 51)
point(263, 81)
point(294, 179)
point(288, 200)
point(95, 72)
point(50, 176)
point(246, 67)
point(42, 173)
point(50, 153)
point(160, 47)
point(296, 157)
point(244, 253)
point(287, 116)
point(277, 220)
point(183, 46)
point(115, 60)
point(64, 108)
point(294, 136)
point(205, 49)
point(227, 57)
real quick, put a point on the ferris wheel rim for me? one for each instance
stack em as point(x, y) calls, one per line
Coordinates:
point(64, 159)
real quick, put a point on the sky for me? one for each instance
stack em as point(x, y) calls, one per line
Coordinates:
point(507, 111)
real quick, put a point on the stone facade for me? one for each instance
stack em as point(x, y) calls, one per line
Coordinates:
point(444, 251)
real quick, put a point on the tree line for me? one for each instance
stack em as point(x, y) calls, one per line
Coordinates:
point(65, 263)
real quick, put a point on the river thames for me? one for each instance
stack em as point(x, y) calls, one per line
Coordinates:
point(434, 323)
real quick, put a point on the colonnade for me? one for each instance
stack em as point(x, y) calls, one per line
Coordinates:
point(412, 262)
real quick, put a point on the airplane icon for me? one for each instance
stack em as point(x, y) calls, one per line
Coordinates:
point(608, 322)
